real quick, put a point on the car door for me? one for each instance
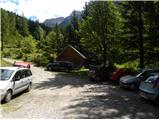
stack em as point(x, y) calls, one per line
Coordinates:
point(27, 77)
point(62, 66)
point(56, 66)
point(17, 83)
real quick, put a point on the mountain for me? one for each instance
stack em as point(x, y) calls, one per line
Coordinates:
point(68, 19)
point(61, 21)
point(52, 22)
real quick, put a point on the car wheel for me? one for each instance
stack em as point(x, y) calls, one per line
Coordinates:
point(120, 85)
point(98, 79)
point(8, 96)
point(29, 88)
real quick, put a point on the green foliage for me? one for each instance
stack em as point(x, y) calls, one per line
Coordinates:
point(140, 28)
point(134, 65)
point(4, 63)
point(12, 52)
point(41, 60)
point(22, 26)
point(99, 30)
point(28, 45)
point(18, 54)
point(29, 57)
point(71, 35)
point(122, 32)
point(36, 30)
point(54, 42)
point(6, 53)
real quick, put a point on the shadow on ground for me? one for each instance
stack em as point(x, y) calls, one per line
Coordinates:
point(115, 103)
point(99, 101)
point(63, 79)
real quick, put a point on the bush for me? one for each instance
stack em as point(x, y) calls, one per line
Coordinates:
point(4, 63)
point(154, 64)
point(133, 65)
point(18, 54)
point(12, 52)
point(29, 57)
point(41, 60)
point(6, 53)
point(28, 45)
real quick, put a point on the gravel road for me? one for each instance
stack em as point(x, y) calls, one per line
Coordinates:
point(58, 95)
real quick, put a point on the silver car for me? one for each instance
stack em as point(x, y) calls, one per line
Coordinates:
point(14, 80)
point(133, 82)
point(149, 88)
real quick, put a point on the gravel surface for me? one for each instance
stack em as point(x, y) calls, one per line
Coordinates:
point(56, 95)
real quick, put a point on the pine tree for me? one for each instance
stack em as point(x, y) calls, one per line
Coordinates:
point(98, 30)
point(137, 25)
point(5, 28)
point(22, 26)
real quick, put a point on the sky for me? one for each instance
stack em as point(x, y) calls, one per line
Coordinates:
point(42, 9)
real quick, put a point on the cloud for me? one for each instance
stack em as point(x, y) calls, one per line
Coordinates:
point(43, 9)
point(8, 5)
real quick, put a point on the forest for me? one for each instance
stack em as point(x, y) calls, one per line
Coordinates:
point(122, 33)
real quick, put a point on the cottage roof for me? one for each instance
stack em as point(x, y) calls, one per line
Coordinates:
point(74, 50)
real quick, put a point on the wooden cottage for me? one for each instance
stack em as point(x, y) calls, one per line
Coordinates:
point(71, 54)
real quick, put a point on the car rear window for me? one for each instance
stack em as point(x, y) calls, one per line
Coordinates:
point(56, 63)
point(26, 73)
point(152, 79)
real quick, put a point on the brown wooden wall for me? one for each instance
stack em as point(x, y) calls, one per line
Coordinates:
point(71, 55)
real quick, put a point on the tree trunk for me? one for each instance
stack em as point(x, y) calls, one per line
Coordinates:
point(1, 45)
point(141, 36)
point(104, 56)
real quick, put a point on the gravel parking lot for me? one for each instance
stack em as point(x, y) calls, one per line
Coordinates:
point(56, 95)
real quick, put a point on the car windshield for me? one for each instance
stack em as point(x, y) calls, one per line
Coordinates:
point(147, 73)
point(5, 74)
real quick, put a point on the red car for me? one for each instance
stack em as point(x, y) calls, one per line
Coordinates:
point(22, 64)
point(119, 73)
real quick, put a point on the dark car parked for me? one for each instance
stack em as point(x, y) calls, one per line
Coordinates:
point(60, 66)
point(100, 73)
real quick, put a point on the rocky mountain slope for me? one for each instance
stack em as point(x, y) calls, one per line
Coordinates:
point(61, 21)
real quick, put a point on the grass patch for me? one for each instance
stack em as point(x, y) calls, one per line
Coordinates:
point(10, 107)
point(4, 63)
point(82, 73)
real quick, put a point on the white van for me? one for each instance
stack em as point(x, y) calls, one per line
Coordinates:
point(14, 80)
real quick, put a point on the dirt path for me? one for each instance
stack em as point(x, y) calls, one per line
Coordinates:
point(56, 95)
